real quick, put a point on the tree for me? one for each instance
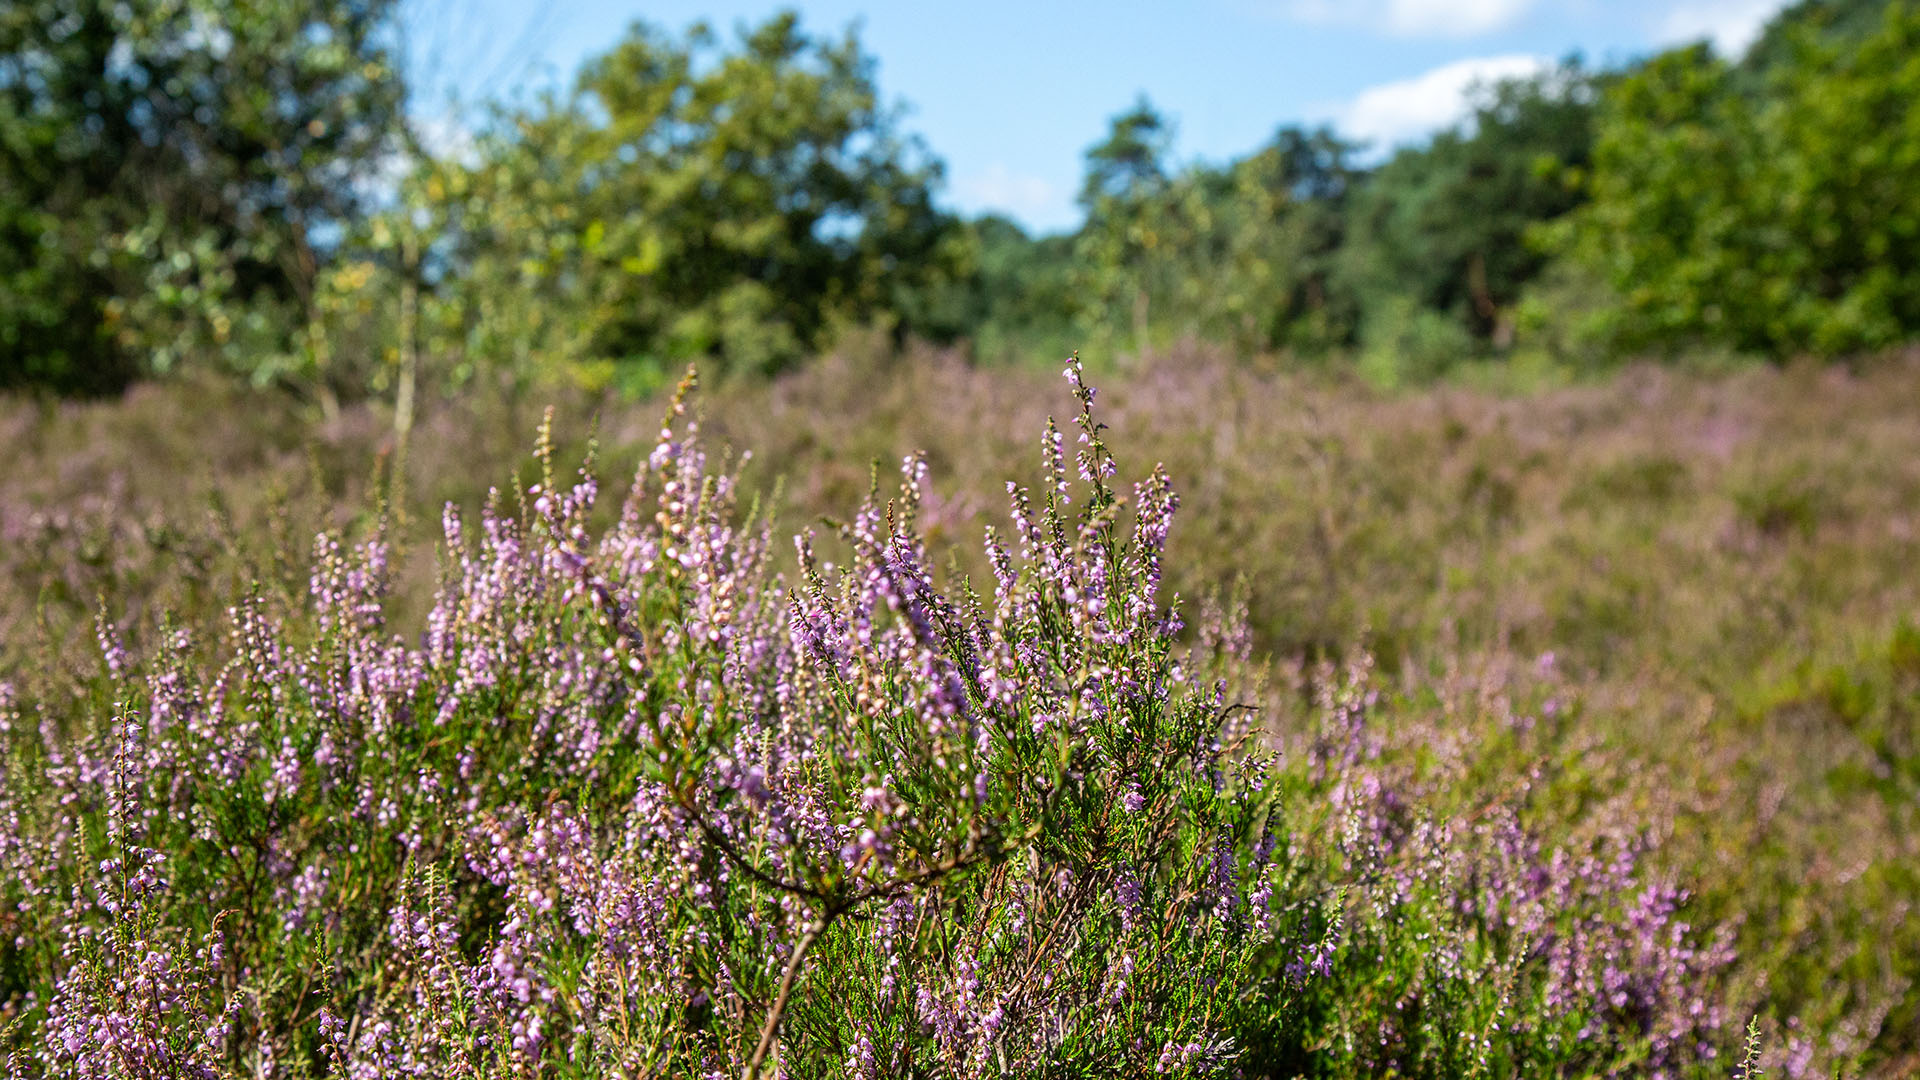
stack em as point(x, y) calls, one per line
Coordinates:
point(1844, 176)
point(1241, 253)
point(1131, 214)
point(1777, 220)
point(1843, 24)
point(692, 203)
point(1021, 301)
point(1283, 225)
point(1129, 165)
point(1446, 226)
point(171, 172)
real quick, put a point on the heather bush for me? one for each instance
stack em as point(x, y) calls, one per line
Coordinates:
point(638, 801)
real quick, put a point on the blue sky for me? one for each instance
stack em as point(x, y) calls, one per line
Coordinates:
point(1011, 92)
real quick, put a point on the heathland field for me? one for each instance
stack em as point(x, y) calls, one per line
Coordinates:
point(1557, 730)
point(1461, 621)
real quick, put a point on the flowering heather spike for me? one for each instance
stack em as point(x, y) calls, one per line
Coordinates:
point(112, 652)
point(913, 482)
point(1060, 493)
point(543, 450)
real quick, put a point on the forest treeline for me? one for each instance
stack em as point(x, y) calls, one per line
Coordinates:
point(246, 188)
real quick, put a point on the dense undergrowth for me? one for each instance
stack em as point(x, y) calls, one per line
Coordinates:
point(578, 783)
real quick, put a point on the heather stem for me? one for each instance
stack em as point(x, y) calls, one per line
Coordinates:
point(772, 1026)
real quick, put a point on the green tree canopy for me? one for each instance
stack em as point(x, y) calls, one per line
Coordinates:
point(1138, 220)
point(1446, 225)
point(693, 202)
point(1283, 230)
point(1776, 221)
point(1130, 164)
point(1843, 24)
point(170, 172)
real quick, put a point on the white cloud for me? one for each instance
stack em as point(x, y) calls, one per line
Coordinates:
point(1402, 111)
point(1730, 24)
point(1034, 201)
point(1414, 18)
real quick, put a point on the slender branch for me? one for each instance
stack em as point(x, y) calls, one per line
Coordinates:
point(960, 860)
point(772, 1025)
point(719, 840)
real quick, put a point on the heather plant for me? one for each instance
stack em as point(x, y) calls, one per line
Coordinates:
point(635, 801)
point(1478, 942)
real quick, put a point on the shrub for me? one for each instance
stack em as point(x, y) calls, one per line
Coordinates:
point(635, 804)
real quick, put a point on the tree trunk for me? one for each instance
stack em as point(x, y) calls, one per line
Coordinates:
point(404, 389)
point(1140, 323)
